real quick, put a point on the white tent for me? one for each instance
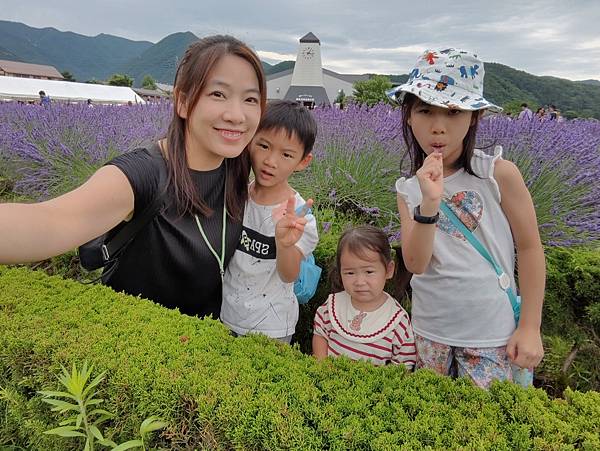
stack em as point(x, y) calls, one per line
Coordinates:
point(15, 88)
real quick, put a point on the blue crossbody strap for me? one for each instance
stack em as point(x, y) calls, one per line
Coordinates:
point(300, 211)
point(503, 278)
point(301, 207)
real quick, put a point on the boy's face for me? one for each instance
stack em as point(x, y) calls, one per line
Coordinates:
point(275, 155)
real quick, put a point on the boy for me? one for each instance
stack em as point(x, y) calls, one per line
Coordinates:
point(258, 289)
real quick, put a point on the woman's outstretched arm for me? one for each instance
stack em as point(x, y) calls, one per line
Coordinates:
point(33, 232)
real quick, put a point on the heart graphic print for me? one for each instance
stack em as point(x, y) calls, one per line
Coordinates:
point(468, 206)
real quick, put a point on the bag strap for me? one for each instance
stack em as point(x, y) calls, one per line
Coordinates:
point(503, 278)
point(111, 248)
point(299, 211)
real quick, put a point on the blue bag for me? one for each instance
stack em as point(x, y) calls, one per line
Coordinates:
point(306, 284)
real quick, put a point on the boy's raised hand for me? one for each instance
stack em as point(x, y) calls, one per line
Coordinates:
point(431, 177)
point(290, 226)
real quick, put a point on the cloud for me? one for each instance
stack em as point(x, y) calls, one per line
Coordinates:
point(539, 36)
point(275, 56)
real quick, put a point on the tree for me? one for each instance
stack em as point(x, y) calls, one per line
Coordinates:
point(68, 76)
point(372, 91)
point(121, 80)
point(341, 98)
point(148, 82)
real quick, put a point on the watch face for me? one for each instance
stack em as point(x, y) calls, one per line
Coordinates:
point(308, 53)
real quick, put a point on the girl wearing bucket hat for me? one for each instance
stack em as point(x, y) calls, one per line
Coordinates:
point(464, 319)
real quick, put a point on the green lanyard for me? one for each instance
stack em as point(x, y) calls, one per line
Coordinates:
point(221, 259)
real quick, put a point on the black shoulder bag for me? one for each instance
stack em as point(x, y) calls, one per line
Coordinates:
point(104, 251)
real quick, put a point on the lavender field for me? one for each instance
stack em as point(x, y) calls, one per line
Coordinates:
point(45, 152)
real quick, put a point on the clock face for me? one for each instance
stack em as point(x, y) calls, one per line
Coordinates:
point(308, 53)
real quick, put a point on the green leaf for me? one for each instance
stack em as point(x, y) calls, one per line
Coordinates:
point(151, 424)
point(57, 394)
point(63, 406)
point(128, 445)
point(92, 402)
point(100, 412)
point(107, 442)
point(65, 431)
point(96, 432)
point(70, 420)
point(102, 419)
point(95, 382)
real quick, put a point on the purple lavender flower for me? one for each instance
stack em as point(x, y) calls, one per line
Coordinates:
point(55, 149)
point(45, 152)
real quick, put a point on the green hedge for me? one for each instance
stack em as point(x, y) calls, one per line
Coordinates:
point(570, 323)
point(219, 392)
point(571, 317)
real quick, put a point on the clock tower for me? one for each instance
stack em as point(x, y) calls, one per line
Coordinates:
point(307, 80)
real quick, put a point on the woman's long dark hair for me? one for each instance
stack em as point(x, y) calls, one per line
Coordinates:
point(415, 151)
point(191, 77)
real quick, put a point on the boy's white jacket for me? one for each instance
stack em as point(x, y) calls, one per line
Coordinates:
point(255, 299)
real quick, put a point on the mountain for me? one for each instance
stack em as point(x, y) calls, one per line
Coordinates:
point(504, 84)
point(279, 67)
point(7, 55)
point(266, 66)
point(84, 56)
point(590, 82)
point(101, 56)
point(160, 60)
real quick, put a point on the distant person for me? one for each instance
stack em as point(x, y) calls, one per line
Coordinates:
point(89, 103)
point(179, 257)
point(44, 99)
point(258, 288)
point(552, 112)
point(540, 113)
point(525, 113)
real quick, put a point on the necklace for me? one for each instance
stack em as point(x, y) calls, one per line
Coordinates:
point(221, 258)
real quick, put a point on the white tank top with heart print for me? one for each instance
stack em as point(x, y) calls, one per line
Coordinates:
point(458, 301)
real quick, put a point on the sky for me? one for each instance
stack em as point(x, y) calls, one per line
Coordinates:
point(551, 37)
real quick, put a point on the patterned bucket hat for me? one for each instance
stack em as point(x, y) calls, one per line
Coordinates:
point(449, 78)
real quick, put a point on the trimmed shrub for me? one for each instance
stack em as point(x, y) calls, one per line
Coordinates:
point(220, 392)
point(571, 325)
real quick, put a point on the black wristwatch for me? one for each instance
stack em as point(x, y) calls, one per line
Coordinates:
point(425, 219)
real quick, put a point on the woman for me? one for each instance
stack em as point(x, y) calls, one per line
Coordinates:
point(177, 259)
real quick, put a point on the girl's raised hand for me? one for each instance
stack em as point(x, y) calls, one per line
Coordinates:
point(431, 177)
point(290, 226)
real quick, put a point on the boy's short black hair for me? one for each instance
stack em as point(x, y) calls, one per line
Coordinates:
point(292, 117)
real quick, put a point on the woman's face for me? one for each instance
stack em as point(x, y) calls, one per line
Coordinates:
point(226, 115)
